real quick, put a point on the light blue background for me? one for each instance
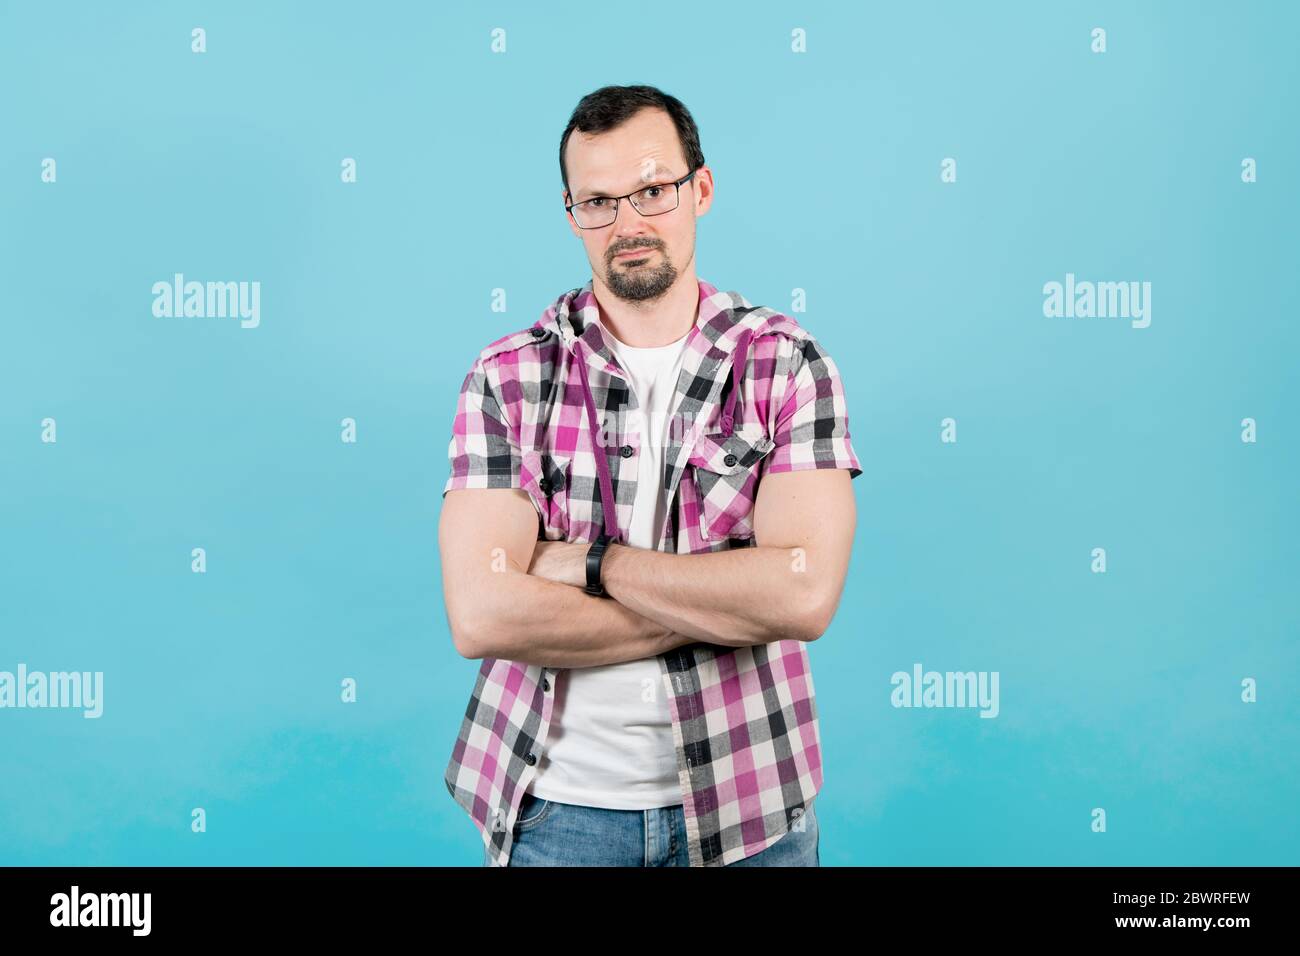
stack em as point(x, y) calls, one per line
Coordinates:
point(1119, 690)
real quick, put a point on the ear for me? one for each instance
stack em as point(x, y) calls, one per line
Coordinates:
point(568, 216)
point(703, 183)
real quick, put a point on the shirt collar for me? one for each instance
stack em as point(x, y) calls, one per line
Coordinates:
point(574, 316)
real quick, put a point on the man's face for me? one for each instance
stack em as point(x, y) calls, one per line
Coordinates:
point(643, 151)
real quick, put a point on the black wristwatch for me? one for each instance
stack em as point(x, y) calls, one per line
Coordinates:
point(596, 554)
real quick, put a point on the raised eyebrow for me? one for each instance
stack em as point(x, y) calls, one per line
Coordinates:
point(664, 176)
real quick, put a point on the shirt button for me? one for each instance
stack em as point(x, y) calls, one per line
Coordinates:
point(546, 685)
point(538, 333)
point(530, 759)
point(729, 460)
point(626, 451)
point(545, 485)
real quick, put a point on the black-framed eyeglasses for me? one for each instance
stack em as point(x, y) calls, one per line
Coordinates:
point(652, 200)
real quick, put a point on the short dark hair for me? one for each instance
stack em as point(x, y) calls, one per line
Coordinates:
point(611, 106)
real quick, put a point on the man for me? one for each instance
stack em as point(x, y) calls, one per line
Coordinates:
point(648, 518)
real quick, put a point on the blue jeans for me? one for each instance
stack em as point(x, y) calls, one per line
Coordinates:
point(550, 833)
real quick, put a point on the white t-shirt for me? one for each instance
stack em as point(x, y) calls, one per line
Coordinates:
point(611, 737)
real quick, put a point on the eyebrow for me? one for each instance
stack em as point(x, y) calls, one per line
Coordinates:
point(663, 171)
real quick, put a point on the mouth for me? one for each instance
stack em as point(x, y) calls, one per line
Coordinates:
point(634, 253)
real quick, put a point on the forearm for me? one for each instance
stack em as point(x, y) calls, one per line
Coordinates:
point(738, 597)
point(535, 621)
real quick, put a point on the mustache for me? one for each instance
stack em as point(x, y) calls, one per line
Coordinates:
point(615, 252)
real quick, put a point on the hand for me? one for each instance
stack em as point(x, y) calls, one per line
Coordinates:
point(564, 562)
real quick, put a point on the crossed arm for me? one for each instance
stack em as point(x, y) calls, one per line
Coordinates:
point(509, 595)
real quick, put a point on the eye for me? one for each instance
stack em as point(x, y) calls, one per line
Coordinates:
point(596, 203)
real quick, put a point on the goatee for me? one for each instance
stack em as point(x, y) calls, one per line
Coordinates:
point(640, 282)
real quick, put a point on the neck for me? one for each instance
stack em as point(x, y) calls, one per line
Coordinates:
point(650, 323)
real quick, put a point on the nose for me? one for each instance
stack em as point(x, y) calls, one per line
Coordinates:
point(629, 224)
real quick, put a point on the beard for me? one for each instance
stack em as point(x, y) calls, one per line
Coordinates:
point(647, 280)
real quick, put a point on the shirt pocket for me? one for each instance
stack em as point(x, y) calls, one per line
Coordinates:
point(545, 476)
point(726, 471)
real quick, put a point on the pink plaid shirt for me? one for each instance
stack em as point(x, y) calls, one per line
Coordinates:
point(756, 395)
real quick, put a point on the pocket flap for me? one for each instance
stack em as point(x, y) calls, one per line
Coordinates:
point(545, 477)
point(727, 454)
point(542, 473)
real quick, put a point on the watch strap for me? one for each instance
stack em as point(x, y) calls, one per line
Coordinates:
point(595, 556)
